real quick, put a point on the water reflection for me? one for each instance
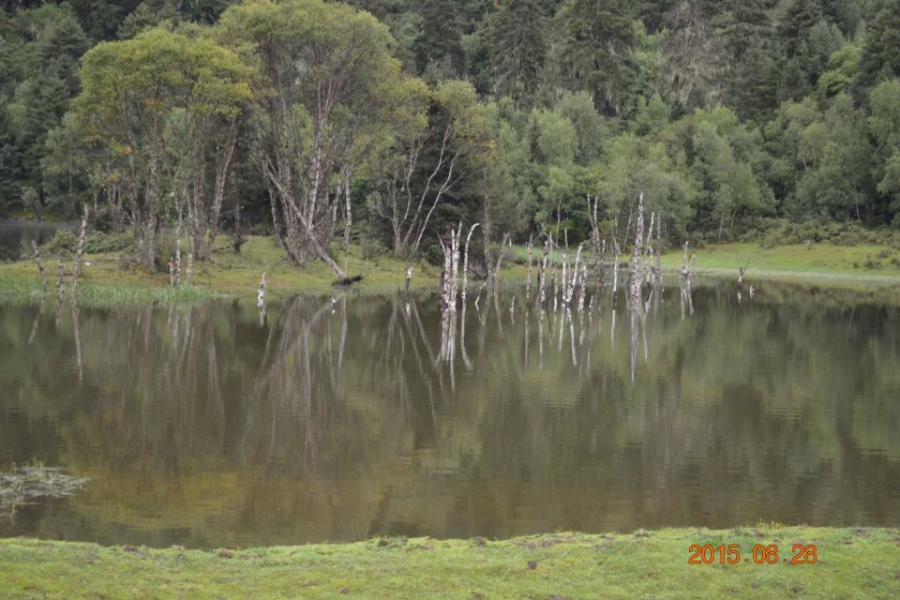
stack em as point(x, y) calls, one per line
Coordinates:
point(16, 237)
point(339, 418)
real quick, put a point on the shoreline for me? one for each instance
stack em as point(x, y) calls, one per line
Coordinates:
point(850, 563)
point(112, 279)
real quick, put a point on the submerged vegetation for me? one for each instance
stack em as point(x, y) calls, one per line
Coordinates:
point(26, 484)
point(857, 564)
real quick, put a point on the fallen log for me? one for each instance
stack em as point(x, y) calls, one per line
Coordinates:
point(347, 281)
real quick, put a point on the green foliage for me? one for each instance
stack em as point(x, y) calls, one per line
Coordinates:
point(98, 242)
point(881, 52)
point(63, 242)
point(593, 50)
point(567, 98)
point(440, 38)
point(517, 48)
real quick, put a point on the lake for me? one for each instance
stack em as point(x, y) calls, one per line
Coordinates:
point(367, 416)
point(16, 236)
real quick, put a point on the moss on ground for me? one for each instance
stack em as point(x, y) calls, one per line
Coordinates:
point(851, 563)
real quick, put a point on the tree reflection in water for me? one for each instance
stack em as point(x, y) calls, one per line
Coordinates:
point(342, 419)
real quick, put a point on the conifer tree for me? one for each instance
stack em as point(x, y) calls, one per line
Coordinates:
point(594, 42)
point(440, 35)
point(517, 48)
point(881, 53)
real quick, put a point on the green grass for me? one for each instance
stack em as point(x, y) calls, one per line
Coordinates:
point(823, 262)
point(114, 279)
point(17, 289)
point(852, 563)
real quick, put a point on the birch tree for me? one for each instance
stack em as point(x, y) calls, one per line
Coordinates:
point(157, 102)
point(325, 75)
point(423, 162)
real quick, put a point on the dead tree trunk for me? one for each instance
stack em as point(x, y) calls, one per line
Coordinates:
point(542, 275)
point(465, 286)
point(261, 293)
point(743, 270)
point(598, 245)
point(450, 274)
point(37, 260)
point(60, 286)
point(636, 274)
point(79, 255)
point(530, 247)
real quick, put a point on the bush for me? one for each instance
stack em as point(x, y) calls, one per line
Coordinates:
point(165, 252)
point(871, 264)
point(101, 220)
point(63, 242)
point(434, 255)
point(510, 256)
point(781, 233)
point(98, 242)
point(371, 247)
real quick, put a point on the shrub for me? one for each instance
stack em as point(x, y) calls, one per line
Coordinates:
point(63, 242)
point(510, 256)
point(371, 247)
point(98, 242)
point(102, 220)
point(871, 264)
point(780, 233)
point(434, 255)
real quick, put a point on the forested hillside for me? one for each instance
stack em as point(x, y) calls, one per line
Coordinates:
point(380, 122)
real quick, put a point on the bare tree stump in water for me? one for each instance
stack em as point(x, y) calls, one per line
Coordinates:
point(581, 290)
point(743, 270)
point(529, 249)
point(450, 271)
point(261, 293)
point(60, 286)
point(79, 255)
point(598, 245)
point(687, 272)
point(37, 260)
point(636, 270)
point(687, 267)
point(465, 286)
point(542, 275)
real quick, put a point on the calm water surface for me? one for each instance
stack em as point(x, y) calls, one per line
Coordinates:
point(335, 422)
point(16, 236)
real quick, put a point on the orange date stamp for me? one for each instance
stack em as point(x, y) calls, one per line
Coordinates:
point(707, 554)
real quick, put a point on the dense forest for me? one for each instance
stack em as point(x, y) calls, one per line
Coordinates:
point(380, 122)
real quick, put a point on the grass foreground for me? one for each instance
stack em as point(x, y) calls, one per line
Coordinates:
point(851, 563)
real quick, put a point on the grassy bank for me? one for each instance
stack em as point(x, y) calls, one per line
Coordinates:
point(868, 264)
point(851, 563)
point(114, 279)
